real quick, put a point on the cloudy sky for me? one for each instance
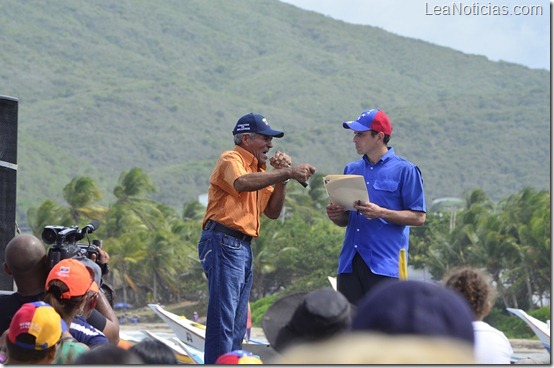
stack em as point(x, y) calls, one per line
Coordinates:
point(522, 36)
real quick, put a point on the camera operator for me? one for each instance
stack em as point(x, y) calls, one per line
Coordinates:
point(106, 320)
point(65, 244)
point(26, 260)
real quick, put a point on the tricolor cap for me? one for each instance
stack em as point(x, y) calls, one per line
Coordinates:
point(36, 326)
point(239, 357)
point(374, 119)
point(255, 123)
point(74, 275)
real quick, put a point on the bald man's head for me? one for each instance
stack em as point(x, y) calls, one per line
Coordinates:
point(25, 254)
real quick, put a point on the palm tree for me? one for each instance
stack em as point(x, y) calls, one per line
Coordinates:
point(130, 192)
point(526, 219)
point(193, 211)
point(317, 191)
point(133, 184)
point(81, 194)
point(452, 246)
point(49, 213)
point(125, 251)
point(159, 266)
point(263, 262)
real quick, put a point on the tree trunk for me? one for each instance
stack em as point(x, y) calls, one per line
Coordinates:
point(529, 290)
point(124, 283)
point(155, 287)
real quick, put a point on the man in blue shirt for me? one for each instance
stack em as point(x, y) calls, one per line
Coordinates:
point(378, 229)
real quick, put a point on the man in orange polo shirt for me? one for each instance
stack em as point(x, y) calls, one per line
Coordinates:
point(240, 191)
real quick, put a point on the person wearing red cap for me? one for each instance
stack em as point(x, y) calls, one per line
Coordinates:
point(240, 191)
point(376, 230)
point(34, 333)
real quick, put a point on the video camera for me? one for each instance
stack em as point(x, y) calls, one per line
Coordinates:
point(64, 242)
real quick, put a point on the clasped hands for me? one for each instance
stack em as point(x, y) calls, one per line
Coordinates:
point(300, 172)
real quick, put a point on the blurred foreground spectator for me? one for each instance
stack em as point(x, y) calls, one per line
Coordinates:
point(491, 345)
point(306, 317)
point(109, 354)
point(399, 322)
point(154, 352)
point(34, 334)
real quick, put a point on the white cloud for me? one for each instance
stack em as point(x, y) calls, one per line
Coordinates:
point(521, 39)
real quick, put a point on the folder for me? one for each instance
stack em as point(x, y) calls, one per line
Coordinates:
point(344, 190)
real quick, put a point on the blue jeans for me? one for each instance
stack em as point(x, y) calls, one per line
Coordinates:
point(227, 263)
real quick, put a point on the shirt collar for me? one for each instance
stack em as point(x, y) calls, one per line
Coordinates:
point(387, 156)
point(251, 160)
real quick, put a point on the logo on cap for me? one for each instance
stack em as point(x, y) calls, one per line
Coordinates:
point(242, 127)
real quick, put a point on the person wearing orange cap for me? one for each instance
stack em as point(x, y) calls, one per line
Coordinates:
point(378, 229)
point(72, 291)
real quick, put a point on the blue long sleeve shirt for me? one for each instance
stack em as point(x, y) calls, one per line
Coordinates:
point(393, 183)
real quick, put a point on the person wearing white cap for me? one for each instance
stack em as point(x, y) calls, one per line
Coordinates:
point(376, 230)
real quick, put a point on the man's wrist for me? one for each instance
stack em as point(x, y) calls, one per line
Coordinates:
point(285, 182)
point(104, 268)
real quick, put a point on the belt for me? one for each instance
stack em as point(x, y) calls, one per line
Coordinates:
point(216, 226)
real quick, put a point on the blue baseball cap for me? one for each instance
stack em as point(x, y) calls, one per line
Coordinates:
point(412, 307)
point(374, 119)
point(255, 123)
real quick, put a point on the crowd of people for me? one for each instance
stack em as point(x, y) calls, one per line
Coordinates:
point(63, 314)
point(397, 322)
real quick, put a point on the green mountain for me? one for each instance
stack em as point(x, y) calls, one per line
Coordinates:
point(108, 85)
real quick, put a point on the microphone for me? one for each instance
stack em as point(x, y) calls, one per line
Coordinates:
point(91, 227)
point(303, 183)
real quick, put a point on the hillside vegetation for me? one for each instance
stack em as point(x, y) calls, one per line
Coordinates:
point(108, 85)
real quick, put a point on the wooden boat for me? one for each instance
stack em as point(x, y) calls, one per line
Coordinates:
point(541, 329)
point(196, 355)
point(190, 336)
point(188, 331)
point(182, 355)
point(128, 339)
point(333, 282)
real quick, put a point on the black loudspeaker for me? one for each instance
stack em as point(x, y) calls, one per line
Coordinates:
point(8, 178)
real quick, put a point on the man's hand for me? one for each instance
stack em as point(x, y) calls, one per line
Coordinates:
point(302, 172)
point(102, 259)
point(337, 214)
point(103, 256)
point(280, 160)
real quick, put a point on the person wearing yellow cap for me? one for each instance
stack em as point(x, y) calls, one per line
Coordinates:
point(72, 291)
point(34, 333)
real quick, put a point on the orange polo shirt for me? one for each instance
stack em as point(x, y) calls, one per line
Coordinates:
point(240, 211)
